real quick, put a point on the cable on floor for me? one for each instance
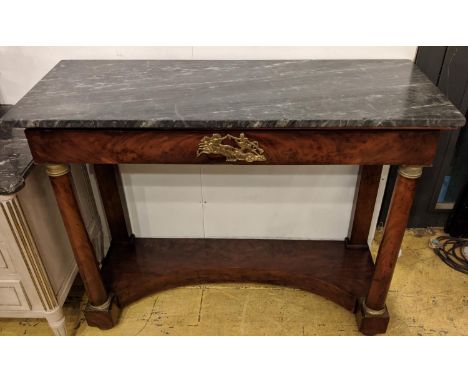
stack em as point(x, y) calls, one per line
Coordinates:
point(452, 251)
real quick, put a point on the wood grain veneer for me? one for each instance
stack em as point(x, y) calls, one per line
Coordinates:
point(290, 147)
point(323, 267)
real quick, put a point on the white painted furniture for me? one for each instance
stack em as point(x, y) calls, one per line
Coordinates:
point(37, 267)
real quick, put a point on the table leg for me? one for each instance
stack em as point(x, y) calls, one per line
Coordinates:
point(372, 314)
point(113, 200)
point(102, 309)
point(364, 202)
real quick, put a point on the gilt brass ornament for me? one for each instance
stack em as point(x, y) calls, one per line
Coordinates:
point(246, 150)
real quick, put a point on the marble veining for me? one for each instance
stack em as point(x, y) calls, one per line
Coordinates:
point(15, 160)
point(234, 94)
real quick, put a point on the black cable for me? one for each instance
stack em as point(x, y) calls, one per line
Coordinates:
point(451, 251)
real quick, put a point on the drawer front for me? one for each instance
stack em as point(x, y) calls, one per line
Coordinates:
point(12, 296)
point(234, 147)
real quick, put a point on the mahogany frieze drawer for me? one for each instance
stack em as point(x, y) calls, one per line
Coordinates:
point(333, 146)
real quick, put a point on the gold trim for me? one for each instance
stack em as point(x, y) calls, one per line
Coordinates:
point(103, 307)
point(247, 150)
point(410, 172)
point(44, 278)
point(55, 170)
point(21, 232)
point(372, 312)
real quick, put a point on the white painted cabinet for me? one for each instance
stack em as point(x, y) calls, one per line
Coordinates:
point(37, 267)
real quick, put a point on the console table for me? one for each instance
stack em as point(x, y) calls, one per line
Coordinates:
point(355, 112)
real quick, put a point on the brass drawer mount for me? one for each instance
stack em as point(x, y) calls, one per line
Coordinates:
point(246, 150)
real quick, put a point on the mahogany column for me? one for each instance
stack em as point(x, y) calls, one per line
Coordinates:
point(364, 202)
point(372, 314)
point(102, 310)
point(113, 200)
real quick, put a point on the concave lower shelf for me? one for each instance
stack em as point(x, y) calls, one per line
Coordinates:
point(326, 268)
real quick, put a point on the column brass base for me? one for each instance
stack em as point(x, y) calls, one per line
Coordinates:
point(371, 322)
point(105, 316)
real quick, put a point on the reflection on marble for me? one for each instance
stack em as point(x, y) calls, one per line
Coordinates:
point(15, 160)
point(235, 94)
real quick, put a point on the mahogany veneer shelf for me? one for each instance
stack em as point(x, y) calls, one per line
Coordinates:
point(326, 268)
point(356, 112)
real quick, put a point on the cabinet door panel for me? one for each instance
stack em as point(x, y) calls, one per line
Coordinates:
point(12, 296)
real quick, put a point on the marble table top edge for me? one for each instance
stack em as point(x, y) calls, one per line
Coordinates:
point(15, 160)
point(229, 94)
point(14, 185)
point(238, 124)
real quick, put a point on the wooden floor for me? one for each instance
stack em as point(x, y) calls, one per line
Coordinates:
point(426, 298)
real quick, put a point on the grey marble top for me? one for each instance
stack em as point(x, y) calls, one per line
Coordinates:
point(234, 94)
point(15, 160)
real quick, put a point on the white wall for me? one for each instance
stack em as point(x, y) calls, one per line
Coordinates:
point(216, 201)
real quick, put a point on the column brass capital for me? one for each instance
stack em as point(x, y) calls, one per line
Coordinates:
point(410, 172)
point(55, 170)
